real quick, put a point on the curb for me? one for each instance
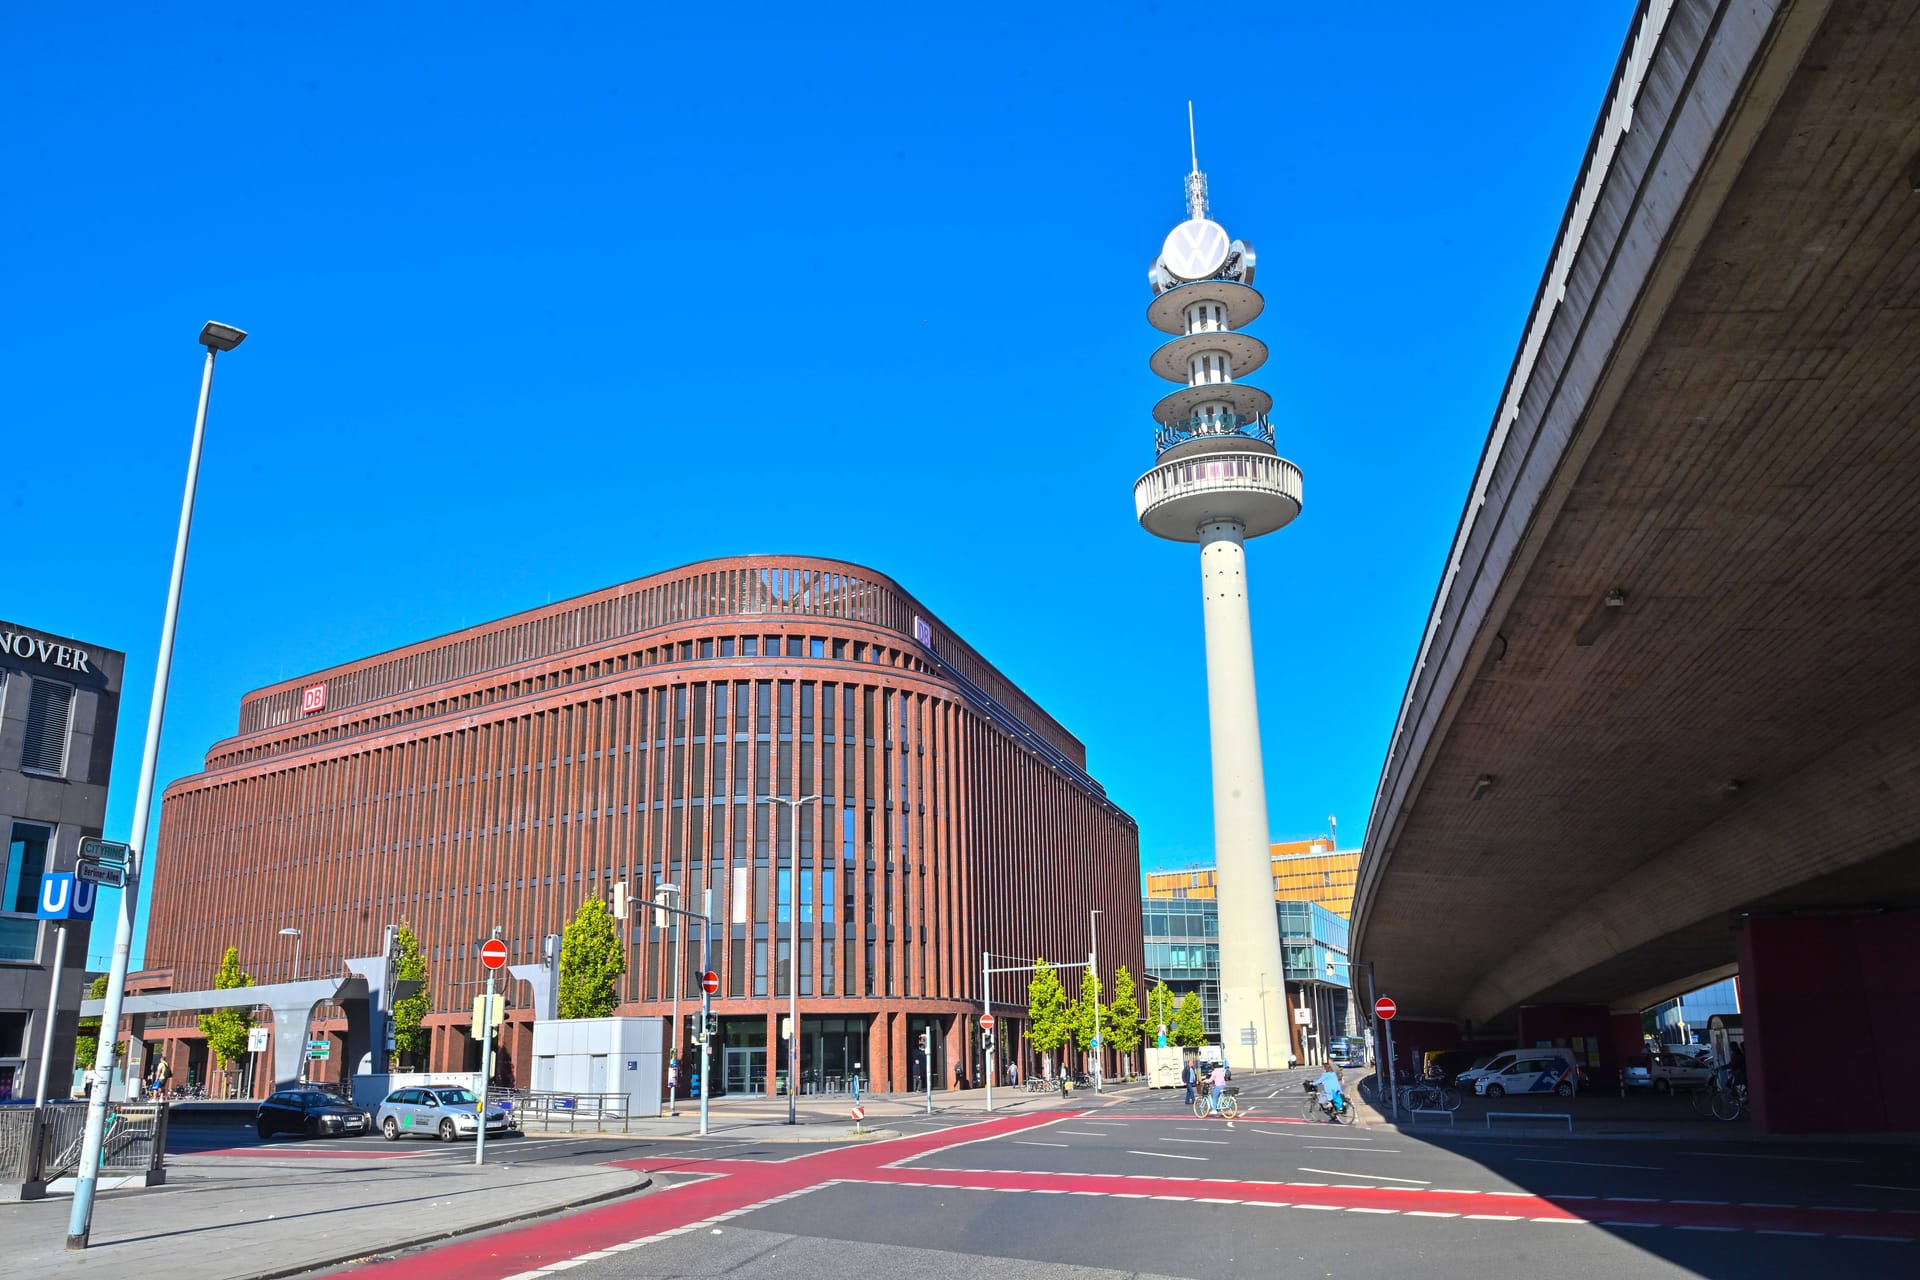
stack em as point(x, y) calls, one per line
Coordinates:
point(364, 1254)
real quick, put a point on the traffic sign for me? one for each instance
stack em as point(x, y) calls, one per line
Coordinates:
point(493, 953)
point(986, 1022)
point(319, 1050)
point(859, 1112)
point(1384, 1008)
point(710, 982)
point(113, 874)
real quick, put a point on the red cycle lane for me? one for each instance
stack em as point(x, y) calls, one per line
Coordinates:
point(728, 1185)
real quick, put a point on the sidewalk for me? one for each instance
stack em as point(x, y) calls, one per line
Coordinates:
point(228, 1217)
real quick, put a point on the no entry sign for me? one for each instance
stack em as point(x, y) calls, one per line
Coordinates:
point(1384, 1009)
point(986, 1022)
point(494, 953)
point(710, 982)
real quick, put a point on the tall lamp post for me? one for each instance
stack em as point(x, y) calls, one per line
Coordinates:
point(1093, 967)
point(215, 337)
point(793, 956)
point(291, 932)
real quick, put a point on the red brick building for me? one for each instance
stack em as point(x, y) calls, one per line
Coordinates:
point(502, 774)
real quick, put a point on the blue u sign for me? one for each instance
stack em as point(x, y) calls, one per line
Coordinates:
point(62, 897)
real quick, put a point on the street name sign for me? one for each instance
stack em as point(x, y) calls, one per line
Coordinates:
point(113, 874)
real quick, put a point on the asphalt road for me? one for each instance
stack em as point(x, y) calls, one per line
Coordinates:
point(1140, 1187)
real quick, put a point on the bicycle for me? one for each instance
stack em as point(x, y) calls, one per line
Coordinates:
point(1429, 1096)
point(1730, 1103)
point(1311, 1108)
point(1228, 1104)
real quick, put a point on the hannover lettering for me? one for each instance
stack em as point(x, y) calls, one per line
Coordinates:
point(41, 649)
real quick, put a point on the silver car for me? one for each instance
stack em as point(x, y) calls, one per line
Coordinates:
point(445, 1112)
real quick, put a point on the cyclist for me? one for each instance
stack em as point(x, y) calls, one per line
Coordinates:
point(1216, 1081)
point(1332, 1092)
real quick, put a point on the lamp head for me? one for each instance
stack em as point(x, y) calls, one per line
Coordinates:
point(221, 337)
point(289, 932)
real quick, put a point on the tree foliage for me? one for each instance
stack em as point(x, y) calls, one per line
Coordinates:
point(86, 1045)
point(1160, 1005)
point(1189, 1023)
point(1123, 1013)
point(411, 1038)
point(1080, 1014)
point(591, 962)
point(1046, 1008)
point(226, 1029)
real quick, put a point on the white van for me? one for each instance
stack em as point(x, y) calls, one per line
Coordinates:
point(1550, 1070)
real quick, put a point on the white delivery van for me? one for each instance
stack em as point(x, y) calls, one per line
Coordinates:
point(1549, 1070)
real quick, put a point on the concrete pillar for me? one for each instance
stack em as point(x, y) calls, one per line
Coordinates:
point(1828, 1011)
point(1249, 927)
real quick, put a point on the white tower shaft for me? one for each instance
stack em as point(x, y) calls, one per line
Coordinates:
point(1252, 972)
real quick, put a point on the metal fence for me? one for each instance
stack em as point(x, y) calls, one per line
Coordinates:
point(548, 1109)
point(41, 1144)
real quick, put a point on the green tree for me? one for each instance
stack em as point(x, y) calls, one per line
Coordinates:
point(1123, 1018)
point(1080, 1014)
point(591, 962)
point(1189, 1023)
point(410, 1038)
point(226, 1029)
point(1046, 1008)
point(1160, 1010)
point(86, 1045)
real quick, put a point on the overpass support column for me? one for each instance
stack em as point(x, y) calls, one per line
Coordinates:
point(1830, 1008)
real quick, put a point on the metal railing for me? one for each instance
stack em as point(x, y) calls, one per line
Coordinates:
point(1242, 426)
point(550, 1109)
point(41, 1144)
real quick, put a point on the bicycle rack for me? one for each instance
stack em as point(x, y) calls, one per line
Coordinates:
point(1432, 1111)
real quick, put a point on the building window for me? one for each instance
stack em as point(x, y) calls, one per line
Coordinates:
point(49, 709)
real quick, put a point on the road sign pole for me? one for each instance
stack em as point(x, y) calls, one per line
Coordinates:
point(486, 1049)
point(53, 1012)
point(986, 1019)
point(706, 1005)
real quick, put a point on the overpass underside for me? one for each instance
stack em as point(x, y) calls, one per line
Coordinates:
point(1666, 719)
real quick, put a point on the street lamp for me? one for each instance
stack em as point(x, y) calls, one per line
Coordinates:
point(291, 932)
point(1093, 967)
point(679, 977)
point(215, 337)
point(793, 956)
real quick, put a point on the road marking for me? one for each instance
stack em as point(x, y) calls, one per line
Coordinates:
point(1718, 1203)
point(1330, 1208)
point(1881, 1186)
point(1774, 1231)
point(1201, 1142)
point(1358, 1209)
point(1212, 1200)
point(1381, 1177)
point(1694, 1226)
point(1020, 1143)
point(1745, 1155)
point(1429, 1213)
point(1078, 1133)
point(1377, 1151)
point(1164, 1155)
point(1587, 1164)
point(1111, 1124)
point(1495, 1217)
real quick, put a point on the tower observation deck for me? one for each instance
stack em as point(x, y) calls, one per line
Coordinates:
point(1219, 481)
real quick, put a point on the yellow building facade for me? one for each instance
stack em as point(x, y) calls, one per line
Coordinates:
point(1303, 871)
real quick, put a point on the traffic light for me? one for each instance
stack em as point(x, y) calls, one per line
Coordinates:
point(926, 1042)
point(713, 1027)
point(620, 900)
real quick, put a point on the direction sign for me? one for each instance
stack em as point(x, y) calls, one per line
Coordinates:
point(107, 873)
point(493, 953)
point(986, 1022)
point(1384, 1009)
point(98, 850)
point(319, 1050)
point(710, 982)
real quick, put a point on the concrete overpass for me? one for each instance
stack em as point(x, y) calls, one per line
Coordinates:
point(1665, 717)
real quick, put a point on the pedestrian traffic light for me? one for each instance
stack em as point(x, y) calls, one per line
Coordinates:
point(926, 1041)
point(713, 1027)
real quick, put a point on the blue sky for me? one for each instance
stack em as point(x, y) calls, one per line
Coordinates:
point(544, 298)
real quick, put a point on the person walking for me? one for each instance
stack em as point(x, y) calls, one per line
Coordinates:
point(160, 1073)
point(959, 1075)
point(1189, 1077)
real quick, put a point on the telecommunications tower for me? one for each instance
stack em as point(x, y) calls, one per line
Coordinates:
point(1218, 482)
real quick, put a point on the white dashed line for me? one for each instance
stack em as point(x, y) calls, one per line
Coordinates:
point(1586, 1164)
point(1341, 1173)
point(1164, 1155)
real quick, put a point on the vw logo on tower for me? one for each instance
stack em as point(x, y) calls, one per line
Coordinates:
point(1195, 249)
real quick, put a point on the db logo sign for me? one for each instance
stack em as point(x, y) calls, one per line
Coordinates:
point(313, 699)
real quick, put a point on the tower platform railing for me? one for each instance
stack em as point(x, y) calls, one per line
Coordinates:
point(1224, 426)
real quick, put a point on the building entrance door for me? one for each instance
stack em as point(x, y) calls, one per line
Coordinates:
point(746, 1069)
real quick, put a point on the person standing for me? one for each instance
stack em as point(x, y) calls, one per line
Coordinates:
point(1189, 1077)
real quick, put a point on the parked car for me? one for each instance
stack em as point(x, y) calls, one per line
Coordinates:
point(1665, 1072)
point(445, 1112)
point(1449, 1063)
point(309, 1111)
point(1526, 1071)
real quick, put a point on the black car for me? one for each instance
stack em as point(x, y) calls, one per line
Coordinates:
point(310, 1111)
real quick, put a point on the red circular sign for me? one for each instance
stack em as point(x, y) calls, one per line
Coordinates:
point(1384, 1009)
point(986, 1022)
point(709, 982)
point(493, 953)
